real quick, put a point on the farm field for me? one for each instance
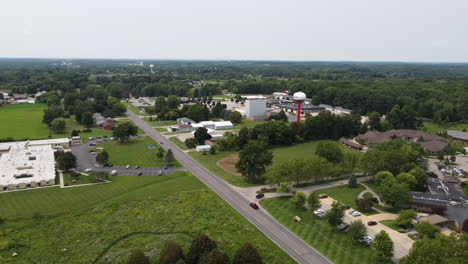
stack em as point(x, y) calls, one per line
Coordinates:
point(101, 224)
point(347, 196)
point(335, 245)
point(23, 121)
point(136, 152)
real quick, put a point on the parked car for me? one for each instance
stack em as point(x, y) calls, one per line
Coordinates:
point(318, 211)
point(343, 227)
point(93, 153)
point(110, 165)
point(114, 172)
point(371, 223)
point(88, 170)
point(140, 173)
point(254, 205)
point(367, 240)
point(127, 167)
point(346, 206)
point(323, 196)
point(260, 196)
point(137, 167)
point(356, 213)
point(403, 230)
point(351, 212)
point(160, 173)
point(166, 167)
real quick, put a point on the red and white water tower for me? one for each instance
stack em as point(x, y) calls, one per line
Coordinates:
point(299, 97)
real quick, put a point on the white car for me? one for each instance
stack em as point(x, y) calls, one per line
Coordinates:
point(127, 167)
point(356, 213)
point(114, 172)
point(318, 211)
point(367, 240)
point(88, 170)
point(351, 212)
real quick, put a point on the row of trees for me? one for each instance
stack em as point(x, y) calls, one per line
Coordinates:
point(203, 250)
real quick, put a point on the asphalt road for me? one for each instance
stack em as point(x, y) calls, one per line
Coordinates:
point(285, 239)
point(85, 160)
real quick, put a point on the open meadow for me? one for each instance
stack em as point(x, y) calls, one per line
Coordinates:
point(23, 121)
point(102, 223)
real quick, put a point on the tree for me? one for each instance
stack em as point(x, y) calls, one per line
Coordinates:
point(335, 215)
point(394, 193)
point(384, 245)
point(201, 134)
point(278, 173)
point(216, 257)
point(352, 182)
point(407, 178)
point(198, 112)
point(380, 176)
point(351, 161)
point(357, 230)
point(160, 153)
point(58, 125)
point(171, 253)
point(191, 143)
point(426, 229)
point(87, 119)
point(453, 159)
point(217, 110)
point(200, 245)
point(329, 151)
point(173, 102)
point(299, 199)
point(235, 117)
point(137, 257)
point(169, 158)
point(364, 204)
point(465, 226)
point(405, 218)
point(213, 150)
point(313, 201)
point(124, 131)
point(74, 133)
point(52, 113)
point(247, 254)
point(102, 157)
point(66, 161)
point(421, 178)
point(253, 160)
point(374, 121)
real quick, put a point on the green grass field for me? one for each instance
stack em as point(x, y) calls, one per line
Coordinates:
point(178, 143)
point(335, 245)
point(347, 196)
point(156, 123)
point(248, 124)
point(135, 152)
point(68, 180)
point(390, 223)
point(432, 127)
point(134, 109)
point(104, 222)
point(23, 121)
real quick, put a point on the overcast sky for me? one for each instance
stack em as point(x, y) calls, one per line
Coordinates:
point(357, 30)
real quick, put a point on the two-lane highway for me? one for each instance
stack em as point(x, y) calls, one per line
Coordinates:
point(289, 242)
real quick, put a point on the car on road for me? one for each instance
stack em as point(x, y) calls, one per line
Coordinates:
point(114, 172)
point(127, 167)
point(88, 170)
point(160, 173)
point(318, 211)
point(137, 167)
point(91, 138)
point(92, 144)
point(260, 196)
point(93, 153)
point(371, 223)
point(161, 142)
point(254, 205)
point(110, 165)
point(166, 167)
point(323, 196)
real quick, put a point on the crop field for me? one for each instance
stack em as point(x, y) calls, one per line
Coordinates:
point(335, 245)
point(136, 152)
point(102, 223)
point(23, 121)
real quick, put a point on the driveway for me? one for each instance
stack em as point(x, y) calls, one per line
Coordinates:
point(402, 243)
point(85, 160)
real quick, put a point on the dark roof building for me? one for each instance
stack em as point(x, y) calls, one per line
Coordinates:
point(430, 142)
point(458, 135)
point(352, 144)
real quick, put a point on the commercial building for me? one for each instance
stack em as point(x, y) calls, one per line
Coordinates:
point(255, 108)
point(223, 125)
point(76, 140)
point(352, 144)
point(430, 142)
point(185, 121)
point(28, 164)
point(306, 108)
point(458, 135)
point(203, 148)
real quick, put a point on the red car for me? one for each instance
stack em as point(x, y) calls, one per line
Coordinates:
point(371, 223)
point(254, 205)
point(323, 196)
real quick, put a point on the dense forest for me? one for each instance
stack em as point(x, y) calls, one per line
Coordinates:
point(437, 92)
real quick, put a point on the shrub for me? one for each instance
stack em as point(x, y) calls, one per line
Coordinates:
point(171, 253)
point(137, 257)
point(365, 204)
point(247, 254)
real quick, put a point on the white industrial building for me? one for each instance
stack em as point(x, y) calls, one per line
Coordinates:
point(203, 148)
point(28, 164)
point(255, 108)
point(207, 124)
point(223, 125)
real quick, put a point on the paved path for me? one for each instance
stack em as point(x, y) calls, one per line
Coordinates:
point(372, 192)
point(285, 239)
point(62, 183)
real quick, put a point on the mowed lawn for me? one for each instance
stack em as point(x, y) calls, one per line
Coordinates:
point(332, 243)
point(23, 121)
point(135, 152)
point(103, 223)
point(434, 128)
point(347, 196)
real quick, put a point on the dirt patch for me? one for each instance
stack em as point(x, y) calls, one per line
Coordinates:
point(228, 164)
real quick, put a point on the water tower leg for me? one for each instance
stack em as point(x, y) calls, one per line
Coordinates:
point(298, 114)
